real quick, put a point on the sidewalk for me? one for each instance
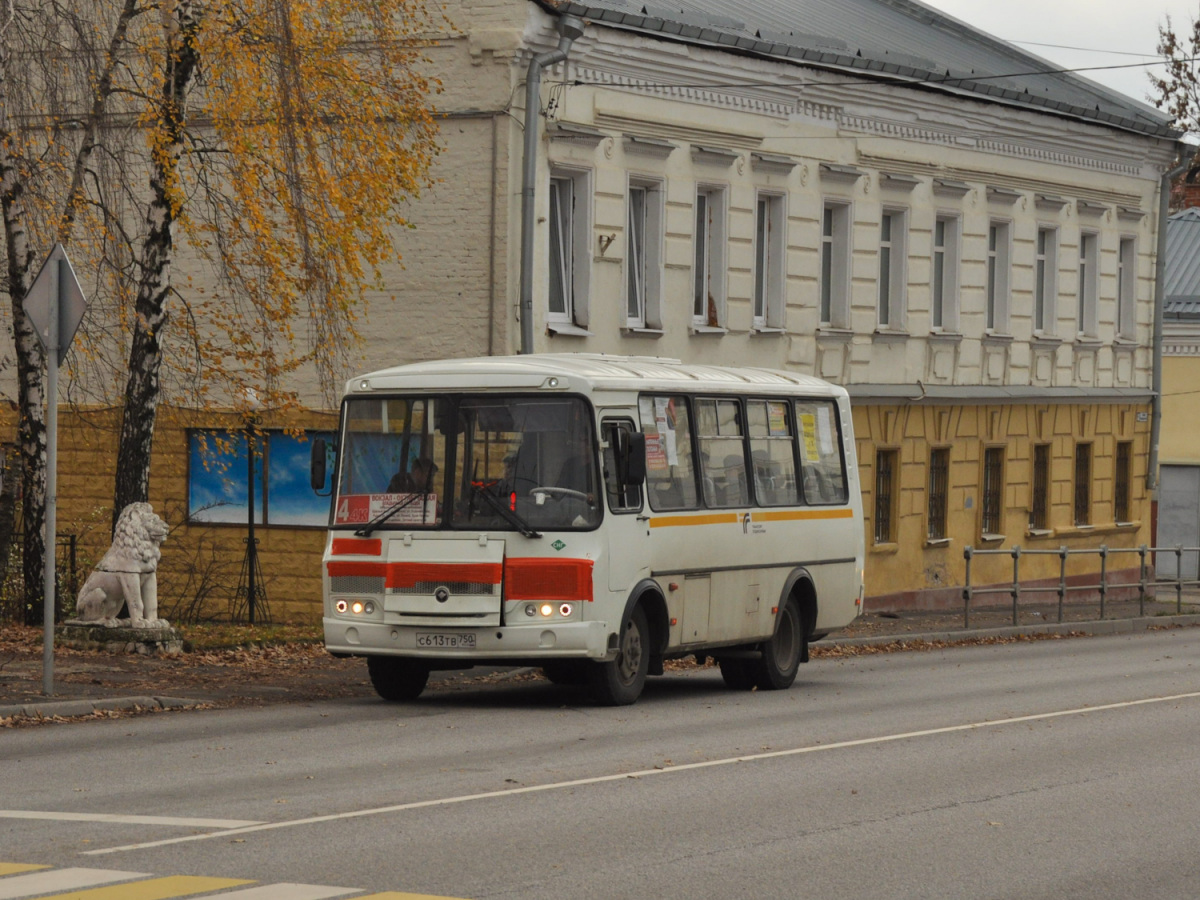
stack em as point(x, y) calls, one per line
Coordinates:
point(95, 684)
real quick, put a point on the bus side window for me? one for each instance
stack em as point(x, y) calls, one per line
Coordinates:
point(670, 467)
point(621, 497)
point(821, 467)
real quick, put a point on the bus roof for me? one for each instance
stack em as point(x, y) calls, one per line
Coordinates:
point(585, 372)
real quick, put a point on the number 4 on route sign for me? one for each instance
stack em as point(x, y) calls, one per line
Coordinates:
point(56, 289)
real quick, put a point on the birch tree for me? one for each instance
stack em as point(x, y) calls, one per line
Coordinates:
point(275, 140)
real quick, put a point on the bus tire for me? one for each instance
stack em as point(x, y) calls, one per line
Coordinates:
point(566, 671)
point(783, 651)
point(736, 674)
point(397, 680)
point(620, 682)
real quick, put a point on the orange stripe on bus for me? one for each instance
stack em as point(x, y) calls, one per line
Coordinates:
point(711, 519)
point(356, 546)
point(793, 515)
point(535, 578)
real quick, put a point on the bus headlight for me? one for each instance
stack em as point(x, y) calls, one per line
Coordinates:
point(547, 609)
point(341, 606)
point(565, 610)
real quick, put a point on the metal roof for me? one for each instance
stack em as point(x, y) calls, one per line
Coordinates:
point(591, 370)
point(902, 40)
point(1181, 285)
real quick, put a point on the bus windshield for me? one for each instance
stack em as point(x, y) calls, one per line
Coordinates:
point(501, 463)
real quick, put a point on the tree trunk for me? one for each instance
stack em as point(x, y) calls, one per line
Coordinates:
point(145, 355)
point(31, 397)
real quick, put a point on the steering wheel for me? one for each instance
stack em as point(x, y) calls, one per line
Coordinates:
point(556, 492)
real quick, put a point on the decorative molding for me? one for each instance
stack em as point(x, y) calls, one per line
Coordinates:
point(655, 148)
point(1087, 208)
point(1130, 214)
point(714, 156)
point(898, 181)
point(1003, 195)
point(772, 162)
point(569, 132)
point(841, 174)
point(951, 187)
point(1049, 202)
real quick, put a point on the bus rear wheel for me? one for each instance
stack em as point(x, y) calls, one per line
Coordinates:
point(620, 682)
point(783, 651)
point(397, 680)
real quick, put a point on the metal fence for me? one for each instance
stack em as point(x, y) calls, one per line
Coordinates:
point(1147, 584)
point(12, 587)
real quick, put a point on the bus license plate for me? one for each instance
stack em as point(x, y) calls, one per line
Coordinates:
point(443, 641)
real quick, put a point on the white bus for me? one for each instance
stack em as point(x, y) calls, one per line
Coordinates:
point(592, 515)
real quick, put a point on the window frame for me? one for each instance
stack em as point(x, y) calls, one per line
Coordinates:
point(892, 281)
point(1123, 483)
point(1088, 288)
point(644, 253)
point(945, 258)
point(770, 256)
point(1082, 487)
point(991, 506)
point(1126, 312)
point(998, 282)
point(709, 257)
point(834, 264)
point(937, 501)
point(1045, 281)
point(886, 495)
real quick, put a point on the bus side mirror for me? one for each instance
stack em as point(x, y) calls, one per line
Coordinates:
point(635, 458)
point(316, 466)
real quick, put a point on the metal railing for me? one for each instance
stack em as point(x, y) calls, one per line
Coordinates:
point(1145, 584)
point(12, 588)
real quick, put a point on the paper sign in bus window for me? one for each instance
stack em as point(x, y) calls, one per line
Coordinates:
point(808, 433)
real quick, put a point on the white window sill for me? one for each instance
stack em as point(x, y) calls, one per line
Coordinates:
point(565, 329)
point(708, 329)
point(642, 331)
point(991, 538)
point(937, 542)
point(764, 329)
point(1040, 532)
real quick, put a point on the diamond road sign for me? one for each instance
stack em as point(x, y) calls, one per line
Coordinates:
point(56, 289)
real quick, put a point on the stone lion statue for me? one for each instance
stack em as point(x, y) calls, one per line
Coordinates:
point(127, 573)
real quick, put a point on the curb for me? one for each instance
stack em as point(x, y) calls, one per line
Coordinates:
point(74, 708)
point(77, 708)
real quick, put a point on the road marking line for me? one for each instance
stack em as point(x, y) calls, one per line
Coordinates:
point(127, 820)
point(14, 868)
point(61, 880)
point(286, 890)
point(154, 889)
point(400, 895)
point(646, 773)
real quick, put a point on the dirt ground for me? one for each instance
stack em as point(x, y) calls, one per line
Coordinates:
point(303, 672)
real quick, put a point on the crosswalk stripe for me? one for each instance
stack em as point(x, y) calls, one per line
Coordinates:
point(14, 868)
point(288, 891)
point(154, 889)
point(60, 880)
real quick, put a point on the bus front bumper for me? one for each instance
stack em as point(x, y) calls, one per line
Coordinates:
point(569, 640)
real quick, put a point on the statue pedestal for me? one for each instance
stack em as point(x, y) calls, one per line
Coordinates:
point(158, 640)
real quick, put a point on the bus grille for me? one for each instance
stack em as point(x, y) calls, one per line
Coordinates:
point(356, 584)
point(461, 588)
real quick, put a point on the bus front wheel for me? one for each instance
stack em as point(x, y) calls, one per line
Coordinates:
point(620, 682)
point(396, 680)
point(783, 651)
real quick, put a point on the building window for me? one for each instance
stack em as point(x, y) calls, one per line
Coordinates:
point(1122, 481)
point(835, 265)
point(1039, 517)
point(1126, 288)
point(568, 256)
point(643, 255)
point(769, 253)
point(219, 473)
point(893, 240)
point(1089, 277)
point(1083, 484)
point(708, 264)
point(998, 277)
point(944, 301)
point(939, 482)
point(886, 472)
point(993, 492)
point(1045, 287)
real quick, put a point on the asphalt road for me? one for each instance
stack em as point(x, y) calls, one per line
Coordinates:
point(1042, 769)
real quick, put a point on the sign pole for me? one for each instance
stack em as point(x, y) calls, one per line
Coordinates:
point(57, 279)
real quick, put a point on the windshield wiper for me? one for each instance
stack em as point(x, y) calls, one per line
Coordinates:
point(389, 512)
point(507, 514)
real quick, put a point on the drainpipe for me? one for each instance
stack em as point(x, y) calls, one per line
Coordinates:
point(569, 28)
point(1185, 153)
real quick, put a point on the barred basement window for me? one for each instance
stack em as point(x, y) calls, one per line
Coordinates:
point(939, 478)
point(1039, 514)
point(1083, 484)
point(885, 473)
point(993, 490)
point(1123, 480)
